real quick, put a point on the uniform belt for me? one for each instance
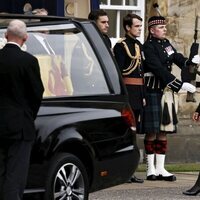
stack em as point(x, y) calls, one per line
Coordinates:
point(134, 81)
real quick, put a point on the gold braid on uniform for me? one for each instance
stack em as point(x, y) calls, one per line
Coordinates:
point(136, 60)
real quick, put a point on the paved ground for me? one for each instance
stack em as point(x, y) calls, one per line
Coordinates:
point(156, 190)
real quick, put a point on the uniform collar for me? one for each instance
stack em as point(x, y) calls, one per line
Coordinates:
point(130, 38)
point(158, 40)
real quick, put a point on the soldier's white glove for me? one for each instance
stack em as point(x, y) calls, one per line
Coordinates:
point(188, 87)
point(196, 59)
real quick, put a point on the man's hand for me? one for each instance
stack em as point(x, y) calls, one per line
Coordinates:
point(188, 87)
point(195, 116)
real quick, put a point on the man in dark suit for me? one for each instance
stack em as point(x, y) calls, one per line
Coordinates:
point(21, 92)
point(101, 19)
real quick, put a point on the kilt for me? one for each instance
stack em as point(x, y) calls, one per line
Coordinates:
point(152, 112)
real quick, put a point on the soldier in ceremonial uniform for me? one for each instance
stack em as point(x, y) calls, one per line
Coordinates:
point(128, 54)
point(160, 110)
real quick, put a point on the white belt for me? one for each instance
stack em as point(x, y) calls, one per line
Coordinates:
point(148, 74)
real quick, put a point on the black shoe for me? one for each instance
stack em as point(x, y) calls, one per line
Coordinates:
point(152, 177)
point(134, 179)
point(166, 178)
point(193, 191)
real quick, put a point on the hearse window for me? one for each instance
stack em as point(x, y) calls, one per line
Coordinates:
point(68, 64)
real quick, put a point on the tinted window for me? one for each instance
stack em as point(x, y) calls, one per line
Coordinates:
point(68, 64)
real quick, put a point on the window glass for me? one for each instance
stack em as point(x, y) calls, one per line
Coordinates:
point(113, 22)
point(132, 2)
point(116, 2)
point(120, 2)
point(68, 64)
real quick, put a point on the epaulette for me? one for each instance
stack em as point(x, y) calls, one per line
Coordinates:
point(121, 40)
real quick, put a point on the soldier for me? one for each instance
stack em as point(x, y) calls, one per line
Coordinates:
point(160, 87)
point(194, 190)
point(128, 54)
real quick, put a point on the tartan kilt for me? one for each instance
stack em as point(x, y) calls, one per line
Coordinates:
point(152, 113)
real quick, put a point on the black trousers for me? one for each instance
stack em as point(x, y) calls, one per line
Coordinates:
point(138, 113)
point(14, 164)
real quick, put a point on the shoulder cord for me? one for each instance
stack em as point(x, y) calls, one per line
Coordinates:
point(135, 59)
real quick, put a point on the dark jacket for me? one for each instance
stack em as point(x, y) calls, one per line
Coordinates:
point(159, 57)
point(107, 40)
point(21, 91)
point(136, 92)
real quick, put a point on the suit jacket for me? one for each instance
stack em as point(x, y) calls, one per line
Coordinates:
point(21, 92)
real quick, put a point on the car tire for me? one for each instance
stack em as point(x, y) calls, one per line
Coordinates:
point(66, 178)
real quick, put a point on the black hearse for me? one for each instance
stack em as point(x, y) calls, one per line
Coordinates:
point(86, 138)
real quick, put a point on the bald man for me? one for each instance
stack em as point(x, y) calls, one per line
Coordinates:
point(21, 94)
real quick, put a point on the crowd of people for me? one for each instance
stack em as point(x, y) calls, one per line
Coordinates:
point(146, 71)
